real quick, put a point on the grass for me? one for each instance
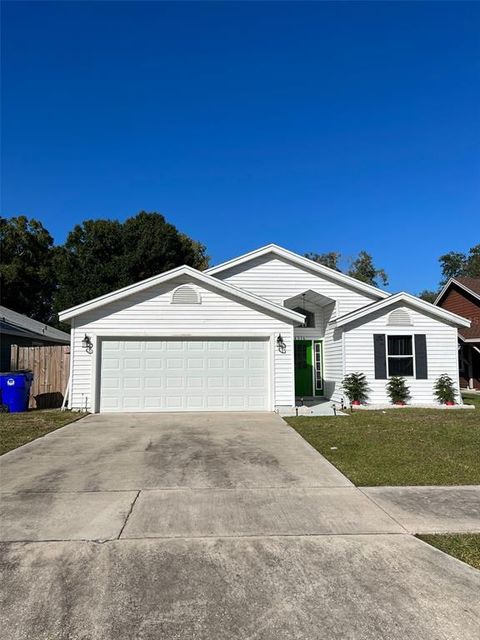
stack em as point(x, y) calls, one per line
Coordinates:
point(465, 546)
point(399, 446)
point(19, 428)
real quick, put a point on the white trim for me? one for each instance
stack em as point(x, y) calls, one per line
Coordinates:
point(175, 273)
point(72, 368)
point(408, 299)
point(303, 262)
point(459, 284)
point(178, 333)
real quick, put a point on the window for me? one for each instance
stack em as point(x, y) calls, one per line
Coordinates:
point(400, 355)
point(318, 367)
point(309, 317)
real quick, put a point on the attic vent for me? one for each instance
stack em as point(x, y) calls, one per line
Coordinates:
point(400, 318)
point(185, 295)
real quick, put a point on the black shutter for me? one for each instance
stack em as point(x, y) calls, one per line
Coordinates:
point(421, 370)
point(380, 356)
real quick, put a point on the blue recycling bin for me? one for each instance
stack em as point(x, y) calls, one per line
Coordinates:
point(15, 390)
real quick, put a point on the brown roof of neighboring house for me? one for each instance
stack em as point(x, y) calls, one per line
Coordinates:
point(471, 283)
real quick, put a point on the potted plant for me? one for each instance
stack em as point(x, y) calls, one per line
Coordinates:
point(398, 390)
point(445, 390)
point(356, 387)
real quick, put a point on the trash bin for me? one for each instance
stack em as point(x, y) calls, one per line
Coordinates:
point(15, 390)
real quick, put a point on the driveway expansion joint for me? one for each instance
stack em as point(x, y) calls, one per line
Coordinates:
point(128, 514)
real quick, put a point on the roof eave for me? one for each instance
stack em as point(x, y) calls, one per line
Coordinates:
point(453, 318)
point(285, 253)
point(170, 275)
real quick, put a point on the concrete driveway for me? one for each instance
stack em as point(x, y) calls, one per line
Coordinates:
point(210, 526)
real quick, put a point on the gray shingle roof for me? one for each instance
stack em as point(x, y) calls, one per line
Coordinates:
point(16, 323)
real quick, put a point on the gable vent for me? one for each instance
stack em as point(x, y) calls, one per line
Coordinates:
point(400, 318)
point(185, 295)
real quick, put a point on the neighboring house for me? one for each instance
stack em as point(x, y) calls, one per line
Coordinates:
point(253, 333)
point(462, 296)
point(18, 329)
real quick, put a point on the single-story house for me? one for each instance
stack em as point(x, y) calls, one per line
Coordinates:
point(16, 328)
point(461, 295)
point(253, 333)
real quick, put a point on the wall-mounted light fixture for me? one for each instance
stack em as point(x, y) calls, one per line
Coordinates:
point(282, 347)
point(87, 344)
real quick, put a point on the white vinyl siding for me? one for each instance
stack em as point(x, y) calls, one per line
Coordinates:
point(333, 363)
point(149, 313)
point(442, 354)
point(277, 280)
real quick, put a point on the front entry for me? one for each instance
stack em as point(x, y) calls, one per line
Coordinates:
point(308, 368)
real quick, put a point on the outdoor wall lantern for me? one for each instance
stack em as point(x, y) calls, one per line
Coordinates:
point(87, 344)
point(282, 347)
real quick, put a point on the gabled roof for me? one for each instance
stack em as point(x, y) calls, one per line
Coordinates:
point(306, 263)
point(13, 323)
point(192, 274)
point(409, 300)
point(470, 285)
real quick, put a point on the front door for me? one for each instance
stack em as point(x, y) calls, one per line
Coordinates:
point(303, 352)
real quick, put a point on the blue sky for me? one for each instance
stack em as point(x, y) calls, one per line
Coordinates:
point(318, 126)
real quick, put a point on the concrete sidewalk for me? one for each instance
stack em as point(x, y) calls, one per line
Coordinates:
point(430, 509)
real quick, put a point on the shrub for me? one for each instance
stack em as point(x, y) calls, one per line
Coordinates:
point(356, 387)
point(444, 389)
point(398, 390)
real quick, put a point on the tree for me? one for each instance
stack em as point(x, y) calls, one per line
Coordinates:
point(455, 264)
point(363, 269)
point(26, 269)
point(100, 256)
point(153, 245)
point(428, 296)
point(330, 259)
point(90, 263)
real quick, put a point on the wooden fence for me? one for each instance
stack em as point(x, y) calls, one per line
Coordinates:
point(50, 367)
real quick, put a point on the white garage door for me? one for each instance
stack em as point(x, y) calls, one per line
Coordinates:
point(184, 375)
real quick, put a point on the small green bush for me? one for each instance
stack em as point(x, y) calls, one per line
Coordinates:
point(444, 389)
point(398, 390)
point(355, 387)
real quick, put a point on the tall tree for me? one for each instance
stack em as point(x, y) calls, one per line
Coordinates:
point(103, 255)
point(329, 259)
point(90, 263)
point(363, 269)
point(26, 271)
point(428, 295)
point(455, 264)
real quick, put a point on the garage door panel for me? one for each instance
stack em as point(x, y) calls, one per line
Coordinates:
point(181, 375)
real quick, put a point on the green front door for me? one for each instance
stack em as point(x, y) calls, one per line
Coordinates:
point(303, 368)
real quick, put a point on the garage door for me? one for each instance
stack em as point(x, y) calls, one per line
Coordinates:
point(184, 375)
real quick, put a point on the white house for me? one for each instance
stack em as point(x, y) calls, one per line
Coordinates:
point(253, 333)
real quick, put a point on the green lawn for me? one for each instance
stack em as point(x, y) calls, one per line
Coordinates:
point(399, 446)
point(19, 428)
point(465, 546)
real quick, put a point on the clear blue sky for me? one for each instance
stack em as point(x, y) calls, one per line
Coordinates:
point(318, 126)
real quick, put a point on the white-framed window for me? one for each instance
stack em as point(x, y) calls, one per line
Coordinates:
point(318, 367)
point(400, 356)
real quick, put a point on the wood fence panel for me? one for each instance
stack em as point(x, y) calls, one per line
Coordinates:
point(50, 366)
